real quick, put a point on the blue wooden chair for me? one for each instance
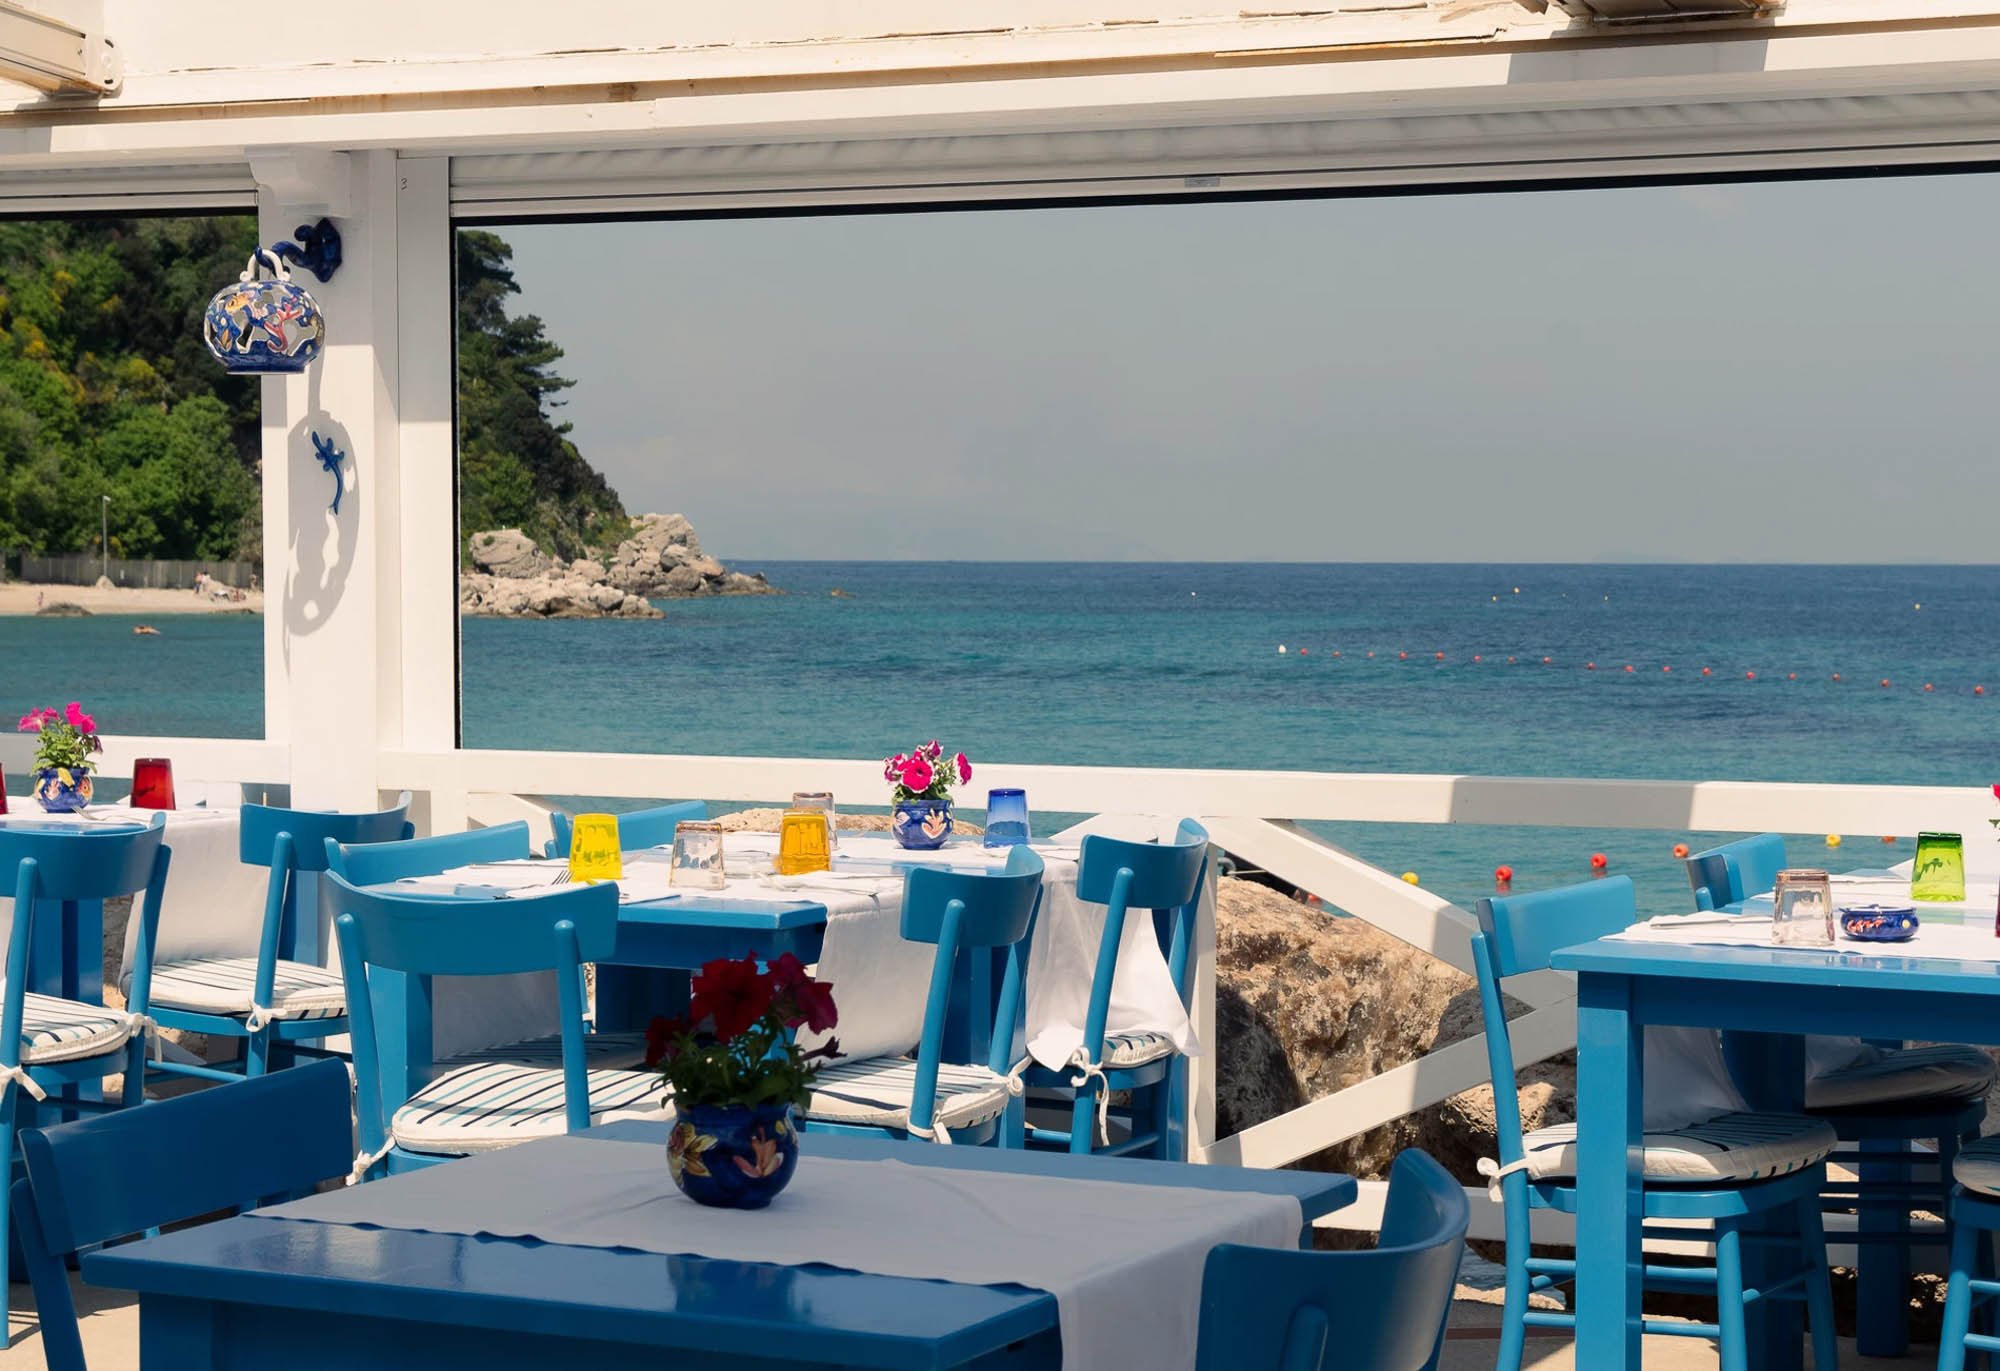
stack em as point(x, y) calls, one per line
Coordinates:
point(52, 1046)
point(639, 829)
point(1164, 879)
point(1726, 1171)
point(275, 1000)
point(101, 1179)
point(386, 863)
point(1892, 1099)
point(476, 1106)
point(1970, 1285)
point(1263, 1309)
point(924, 1096)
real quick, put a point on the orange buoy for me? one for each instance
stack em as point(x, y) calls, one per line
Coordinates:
point(1503, 874)
point(1440, 656)
point(1628, 666)
point(1888, 837)
point(1598, 861)
point(1979, 690)
point(1885, 683)
point(1680, 849)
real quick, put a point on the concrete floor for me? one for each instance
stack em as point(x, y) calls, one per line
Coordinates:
point(111, 1341)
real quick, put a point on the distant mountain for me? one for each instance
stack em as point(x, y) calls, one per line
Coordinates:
point(107, 389)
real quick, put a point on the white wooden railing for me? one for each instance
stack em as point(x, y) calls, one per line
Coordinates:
point(1254, 815)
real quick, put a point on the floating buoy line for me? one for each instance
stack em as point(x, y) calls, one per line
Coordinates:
point(1707, 673)
point(1600, 864)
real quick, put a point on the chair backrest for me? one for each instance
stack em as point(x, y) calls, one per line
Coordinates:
point(381, 863)
point(89, 864)
point(115, 1174)
point(1165, 878)
point(310, 830)
point(1518, 934)
point(429, 935)
point(1735, 871)
point(1268, 1309)
point(639, 829)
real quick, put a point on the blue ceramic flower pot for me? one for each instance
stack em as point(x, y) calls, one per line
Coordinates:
point(732, 1156)
point(922, 824)
point(264, 327)
point(62, 789)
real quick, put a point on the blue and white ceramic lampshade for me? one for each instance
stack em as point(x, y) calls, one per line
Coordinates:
point(264, 325)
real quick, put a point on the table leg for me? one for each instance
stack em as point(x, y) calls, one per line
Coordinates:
point(1881, 1301)
point(1610, 1255)
point(1772, 1068)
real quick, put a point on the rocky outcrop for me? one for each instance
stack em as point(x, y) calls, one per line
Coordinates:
point(664, 559)
point(512, 578)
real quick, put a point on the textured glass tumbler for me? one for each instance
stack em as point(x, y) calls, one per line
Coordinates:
point(594, 854)
point(1938, 872)
point(152, 783)
point(697, 861)
point(1802, 909)
point(822, 801)
point(802, 842)
point(1006, 818)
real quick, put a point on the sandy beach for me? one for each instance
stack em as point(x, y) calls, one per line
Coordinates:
point(21, 597)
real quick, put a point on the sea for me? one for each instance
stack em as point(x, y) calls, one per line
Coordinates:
point(1841, 674)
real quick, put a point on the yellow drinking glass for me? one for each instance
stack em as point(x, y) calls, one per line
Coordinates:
point(593, 849)
point(802, 839)
point(1938, 872)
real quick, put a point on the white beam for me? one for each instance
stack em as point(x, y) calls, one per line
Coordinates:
point(46, 54)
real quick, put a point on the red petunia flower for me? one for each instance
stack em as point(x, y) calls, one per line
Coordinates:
point(801, 1000)
point(732, 993)
point(661, 1035)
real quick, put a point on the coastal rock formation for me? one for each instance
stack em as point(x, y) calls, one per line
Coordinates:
point(511, 577)
point(663, 558)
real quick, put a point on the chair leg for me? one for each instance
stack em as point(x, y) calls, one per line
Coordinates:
point(1514, 1314)
point(12, 1097)
point(134, 1090)
point(257, 1053)
point(1735, 1339)
point(1166, 1139)
point(1083, 1118)
point(1957, 1320)
point(1819, 1287)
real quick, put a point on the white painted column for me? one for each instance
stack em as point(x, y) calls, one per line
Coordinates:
point(323, 584)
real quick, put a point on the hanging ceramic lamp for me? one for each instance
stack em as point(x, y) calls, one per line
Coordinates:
point(264, 325)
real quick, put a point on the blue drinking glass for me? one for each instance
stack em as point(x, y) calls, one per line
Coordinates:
point(1006, 817)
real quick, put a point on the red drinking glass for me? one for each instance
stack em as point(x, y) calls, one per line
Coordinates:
point(3, 792)
point(153, 783)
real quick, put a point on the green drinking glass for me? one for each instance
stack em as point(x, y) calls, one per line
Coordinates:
point(1938, 873)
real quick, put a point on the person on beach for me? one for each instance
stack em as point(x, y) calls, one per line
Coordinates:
point(200, 583)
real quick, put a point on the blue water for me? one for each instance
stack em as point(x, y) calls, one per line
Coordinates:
point(1177, 665)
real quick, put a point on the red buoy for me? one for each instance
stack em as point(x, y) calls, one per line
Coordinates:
point(1628, 666)
point(1666, 668)
point(1927, 687)
point(1680, 849)
point(1979, 690)
point(1440, 656)
point(1402, 656)
point(1885, 683)
point(1475, 656)
point(1888, 838)
point(1503, 874)
point(1705, 671)
point(1749, 675)
point(1791, 675)
point(1510, 661)
point(1836, 675)
point(1547, 660)
point(1598, 861)
point(1590, 666)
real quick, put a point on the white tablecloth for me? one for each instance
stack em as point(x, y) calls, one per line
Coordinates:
point(1124, 1261)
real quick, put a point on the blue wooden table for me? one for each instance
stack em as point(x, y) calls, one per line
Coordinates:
point(1776, 994)
point(305, 1296)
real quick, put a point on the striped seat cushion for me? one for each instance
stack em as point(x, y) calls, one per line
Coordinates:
point(1977, 1166)
point(876, 1091)
point(1135, 1049)
point(225, 985)
point(621, 1050)
point(1733, 1148)
point(58, 1030)
point(1946, 1073)
point(484, 1105)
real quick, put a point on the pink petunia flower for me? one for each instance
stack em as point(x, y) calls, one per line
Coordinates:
point(76, 715)
point(31, 722)
point(931, 750)
point(964, 768)
point(917, 774)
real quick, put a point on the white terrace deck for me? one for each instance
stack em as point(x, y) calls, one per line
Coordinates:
point(401, 120)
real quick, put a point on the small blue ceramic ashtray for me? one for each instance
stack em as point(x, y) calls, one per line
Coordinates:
point(1878, 923)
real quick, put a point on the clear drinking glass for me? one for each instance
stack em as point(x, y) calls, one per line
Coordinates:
point(1006, 817)
point(802, 842)
point(1938, 872)
point(697, 860)
point(594, 854)
point(1802, 909)
point(821, 801)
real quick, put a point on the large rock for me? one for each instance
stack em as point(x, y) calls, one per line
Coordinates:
point(1309, 1003)
point(663, 557)
point(507, 552)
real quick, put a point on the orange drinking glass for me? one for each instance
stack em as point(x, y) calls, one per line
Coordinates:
point(802, 839)
point(153, 783)
point(594, 854)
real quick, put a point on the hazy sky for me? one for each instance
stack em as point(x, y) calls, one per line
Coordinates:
point(1790, 372)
